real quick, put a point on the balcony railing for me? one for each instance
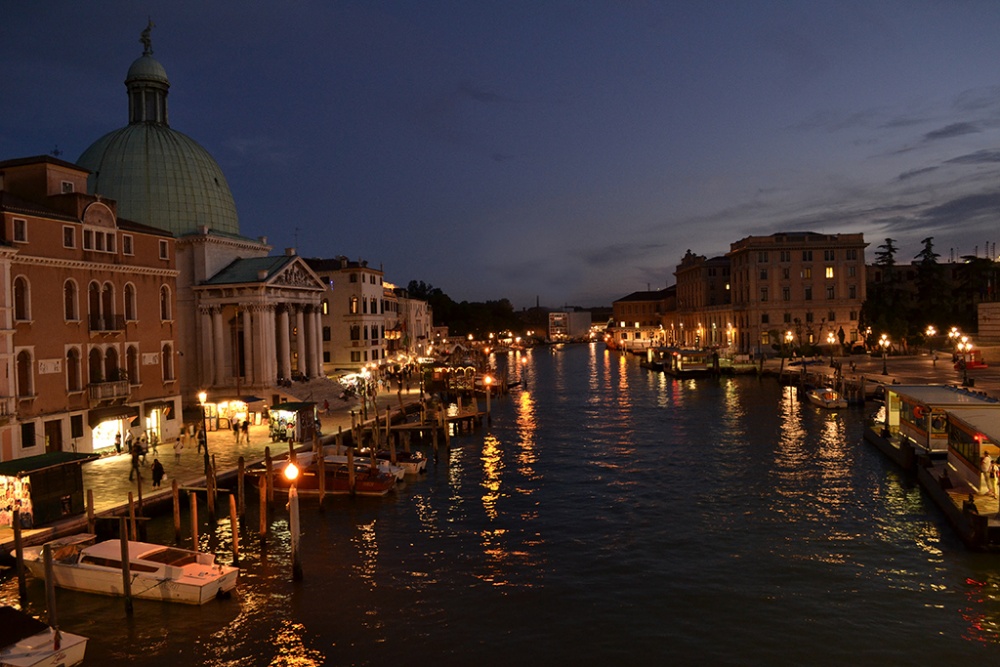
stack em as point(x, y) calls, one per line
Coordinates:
point(107, 323)
point(106, 391)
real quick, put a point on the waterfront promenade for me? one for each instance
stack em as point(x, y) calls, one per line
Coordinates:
point(108, 476)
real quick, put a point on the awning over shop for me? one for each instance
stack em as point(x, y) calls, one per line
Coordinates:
point(98, 415)
point(157, 405)
point(251, 399)
point(30, 464)
point(294, 407)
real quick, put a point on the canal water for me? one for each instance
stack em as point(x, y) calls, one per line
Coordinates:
point(610, 515)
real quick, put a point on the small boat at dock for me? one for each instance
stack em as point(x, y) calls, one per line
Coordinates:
point(368, 481)
point(157, 572)
point(826, 397)
point(384, 465)
point(412, 462)
point(27, 642)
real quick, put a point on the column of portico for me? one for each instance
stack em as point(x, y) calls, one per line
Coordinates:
point(300, 339)
point(248, 345)
point(318, 347)
point(206, 370)
point(263, 332)
point(218, 351)
point(284, 345)
point(270, 354)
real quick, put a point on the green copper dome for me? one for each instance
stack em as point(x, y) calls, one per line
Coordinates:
point(158, 176)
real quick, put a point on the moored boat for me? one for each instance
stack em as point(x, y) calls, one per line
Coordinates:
point(27, 642)
point(157, 572)
point(413, 462)
point(367, 481)
point(826, 397)
point(383, 464)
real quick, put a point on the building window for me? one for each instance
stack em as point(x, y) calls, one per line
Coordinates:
point(71, 311)
point(326, 334)
point(69, 237)
point(763, 274)
point(167, 360)
point(22, 310)
point(854, 315)
point(20, 230)
point(25, 379)
point(852, 271)
point(164, 249)
point(852, 291)
point(127, 245)
point(374, 306)
point(786, 293)
point(354, 277)
point(807, 272)
point(831, 317)
point(88, 239)
point(808, 293)
point(786, 273)
point(326, 357)
point(132, 364)
point(354, 305)
point(786, 256)
point(788, 318)
point(326, 307)
point(164, 303)
point(765, 318)
point(765, 339)
point(28, 435)
point(76, 426)
point(807, 255)
point(355, 356)
point(763, 294)
point(829, 292)
point(762, 257)
point(130, 314)
point(851, 253)
point(74, 377)
point(828, 255)
point(829, 272)
point(809, 317)
point(355, 332)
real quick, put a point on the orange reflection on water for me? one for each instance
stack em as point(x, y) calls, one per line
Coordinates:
point(492, 469)
point(292, 651)
point(526, 427)
point(367, 545)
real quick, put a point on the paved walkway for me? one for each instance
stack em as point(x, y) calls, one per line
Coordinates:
point(108, 477)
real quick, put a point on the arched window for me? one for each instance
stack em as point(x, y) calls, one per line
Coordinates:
point(167, 362)
point(354, 305)
point(74, 380)
point(164, 303)
point(70, 306)
point(108, 304)
point(132, 364)
point(25, 384)
point(111, 364)
point(355, 332)
point(22, 312)
point(94, 362)
point(94, 305)
point(130, 309)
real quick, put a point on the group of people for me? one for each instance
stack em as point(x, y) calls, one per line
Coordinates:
point(241, 433)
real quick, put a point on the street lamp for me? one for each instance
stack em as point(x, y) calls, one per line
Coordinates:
point(487, 381)
point(930, 333)
point(884, 342)
point(788, 341)
point(203, 436)
point(964, 346)
point(831, 340)
point(291, 473)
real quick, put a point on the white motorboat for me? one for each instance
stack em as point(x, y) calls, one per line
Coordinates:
point(27, 642)
point(826, 398)
point(413, 462)
point(399, 472)
point(157, 572)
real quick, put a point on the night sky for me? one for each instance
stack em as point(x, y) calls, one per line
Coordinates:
point(569, 152)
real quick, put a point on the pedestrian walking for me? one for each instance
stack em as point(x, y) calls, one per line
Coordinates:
point(986, 480)
point(143, 447)
point(202, 440)
point(236, 431)
point(178, 446)
point(158, 473)
point(246, 431)
point(118, 443)
point(136, 453)
point(128, 442)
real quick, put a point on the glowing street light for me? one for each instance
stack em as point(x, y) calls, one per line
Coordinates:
point(831, 340)
point(930, 333)
point(487, 381)
point(203, 436)
point(884, 342)
point(965, 346)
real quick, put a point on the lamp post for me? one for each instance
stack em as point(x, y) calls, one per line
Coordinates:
point(788, 341)
point(884, 342)
point(487, 381)
point(930, 333)
point(291, 474)
point(203, 436)
point(831, 340)
point(964, 346)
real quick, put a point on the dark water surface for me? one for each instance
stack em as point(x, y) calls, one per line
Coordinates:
point(611, 515)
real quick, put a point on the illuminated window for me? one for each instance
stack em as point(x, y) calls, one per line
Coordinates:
point(829, 272)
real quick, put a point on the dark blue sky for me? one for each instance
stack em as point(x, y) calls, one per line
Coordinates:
point(569, 151)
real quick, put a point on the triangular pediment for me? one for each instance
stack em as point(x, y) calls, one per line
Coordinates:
point(296, 274)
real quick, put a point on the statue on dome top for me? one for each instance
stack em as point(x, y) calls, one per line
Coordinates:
point(146, 40)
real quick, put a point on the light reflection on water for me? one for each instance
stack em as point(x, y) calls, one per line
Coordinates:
point(610, 514)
